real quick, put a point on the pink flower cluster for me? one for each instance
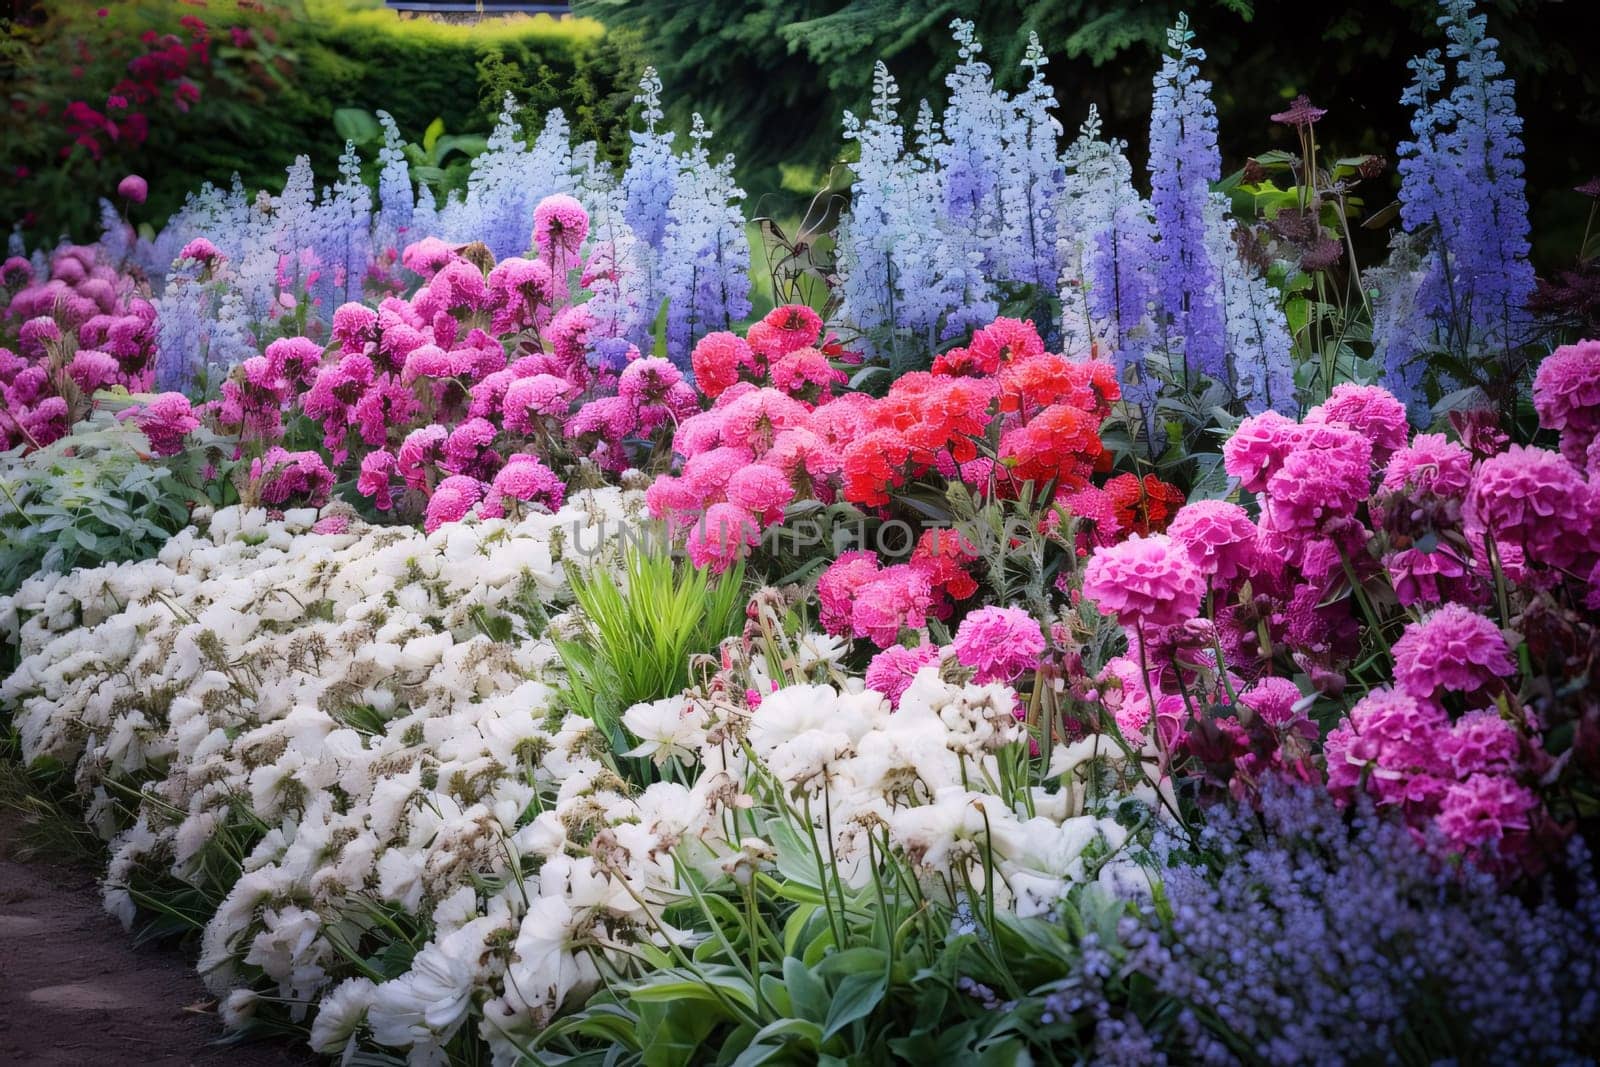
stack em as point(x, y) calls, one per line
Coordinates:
point(480, 385)
point(80, 329)
point(1360, 523)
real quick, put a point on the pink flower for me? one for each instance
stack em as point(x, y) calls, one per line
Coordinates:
point(133, 189)
point(1128, 699)
point(1390, 743)
point(1369, 410)
point(791, 327)
point(708, 474)
point(1219, 536)
point(526, 479)
point(806, 374)
point(1430, 577)
point(467, 449)
point(354, 326)
point(559, 226)
point(1318, 488)
point(93, 370)
point(527, 400)
point(897, 598)
point(427, 256)
point(166, 420)
point(283, 476)
point(1452, 650)
point(892, 670)
point(1430, 464)
point(377, 470)
point(761, 489)
point(755, 419)
point(838, 587)
point(1481, 741)
point(1566, 394)
point(521, 292)
point(422, 450)
point(1479, 814)
point(1258, 448)
point(200, 251)
point(1273, 699)
point(1151, 580)
point(717, 360)
point(721, 536)
point(1535, 501)
point(452, 499)
point(999, 643)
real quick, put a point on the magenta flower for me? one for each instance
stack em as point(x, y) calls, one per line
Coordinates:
point(897, 598)
point(285, 477)
point(1452, 650)
point(999, 643)
point(1369, 410)
point(1151, 580)
point(560, 225)
point(761, 489)
point(838, 587)
point(452, 499)
point(1220, 537)
point(133, 189)
point(1536, 504)
point(166, 420)
point(892, 670)
point(377, 472)
point(721, 536)
point(527, 480)
point(1566, 394)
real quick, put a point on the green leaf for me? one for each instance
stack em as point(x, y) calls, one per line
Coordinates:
point(430, 137)
point(806, 990)
point(357, 124)
point(855, 998)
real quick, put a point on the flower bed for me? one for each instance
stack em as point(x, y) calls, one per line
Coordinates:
point(1036, 646)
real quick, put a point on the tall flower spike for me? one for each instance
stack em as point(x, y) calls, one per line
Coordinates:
point(1184, 161)
point(1461, 187)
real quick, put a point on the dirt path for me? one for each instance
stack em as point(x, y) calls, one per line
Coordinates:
point(74, 990)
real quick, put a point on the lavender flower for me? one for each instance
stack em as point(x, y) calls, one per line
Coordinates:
point(1184, 161)
point(1461, 183)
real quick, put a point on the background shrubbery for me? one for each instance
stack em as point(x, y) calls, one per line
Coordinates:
point(262, 83)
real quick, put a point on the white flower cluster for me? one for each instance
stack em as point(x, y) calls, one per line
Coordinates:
point(387, 771)
point(927, 776)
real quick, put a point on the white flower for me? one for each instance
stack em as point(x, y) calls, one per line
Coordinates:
point(668, 728)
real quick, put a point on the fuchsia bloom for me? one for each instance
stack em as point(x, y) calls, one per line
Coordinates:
point(133, 189)
point(452, 499)
point(1429, 464)
point(839, 586)
point(1273, 699)
point(1369, 410)
point(1391, 740)
point(521, 292)
point(377, 472)
point(897, 598)
point(284, 477)
point(1452, 650)
point(526, 479)
point(422, 450)
point(892, 670)
point(1318, 488)
point(93, 370)
point(1566, 394)
point(717, 361)
point(999, 643)
point(1481, 741)
point(427, 256)
point(761, 489)
point(1258, 448)
point(528, 400)
point(1219, 536)
point(1152, 580)
point(200, 251)
point(1535, 502)
point(719, 539)
point(560, 225)
point(1487, 812)
point(166, 421)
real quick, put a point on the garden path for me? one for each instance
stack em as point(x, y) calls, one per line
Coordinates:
point(74, 989)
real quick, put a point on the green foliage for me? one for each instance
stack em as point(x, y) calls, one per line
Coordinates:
point(636, 636)
point(93, 497)
point(269, 100)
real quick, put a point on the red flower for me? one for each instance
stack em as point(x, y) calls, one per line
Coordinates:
point(1146, 506)
point(1059, 445)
